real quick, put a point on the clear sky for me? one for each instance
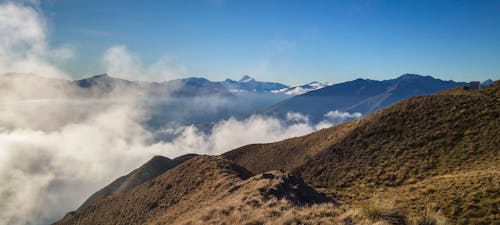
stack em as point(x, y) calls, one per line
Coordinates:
point(290, 41)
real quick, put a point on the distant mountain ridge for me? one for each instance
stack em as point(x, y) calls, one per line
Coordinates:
point(239, 98)
point(249, 84)
point(246, 83)
point(360, 95)
point(104, 84)
point(187, 87)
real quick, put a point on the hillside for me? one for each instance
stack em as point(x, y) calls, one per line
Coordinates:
point(183, 184)
point(151, 169)
point(360, 95)
point(206, 189)
point(410, 143)
point(212, 190)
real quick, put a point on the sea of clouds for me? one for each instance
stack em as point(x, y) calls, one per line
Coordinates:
point(55, 152)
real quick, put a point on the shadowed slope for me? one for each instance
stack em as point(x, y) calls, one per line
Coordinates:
point(203, 189)
point(184, 187)
point(151, 169)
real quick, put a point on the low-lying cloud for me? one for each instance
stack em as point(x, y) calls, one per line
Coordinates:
point(337, 116)
point(47, 173)
point(56, 150)
point(232, 133)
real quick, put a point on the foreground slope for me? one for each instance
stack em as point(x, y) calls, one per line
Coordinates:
point(417, 142)
point(206, 190)
point(182, 187)
point(151, 169)
point(212, 190)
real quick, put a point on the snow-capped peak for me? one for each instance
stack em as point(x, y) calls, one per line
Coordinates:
point(298, 90)
point(245, 79)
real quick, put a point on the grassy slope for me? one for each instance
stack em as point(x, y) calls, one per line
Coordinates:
point(212, 190)
point(406, 144)
point(289, 153)
point(176, 191)
point(153, 168)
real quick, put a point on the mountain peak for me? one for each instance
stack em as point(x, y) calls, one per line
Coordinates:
point(487, 82)
point(409, 76)
point(246, 78)
point(100, 76)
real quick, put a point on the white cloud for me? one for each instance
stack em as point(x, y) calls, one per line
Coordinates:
point(341, 116)
point(23, 42)
point(45, 174)
point(120, 62)
point(297, 117)
point(232, 133)
point(336, 117)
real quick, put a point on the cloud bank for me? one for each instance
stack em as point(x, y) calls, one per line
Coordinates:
point(56, 150)
point(47, 173)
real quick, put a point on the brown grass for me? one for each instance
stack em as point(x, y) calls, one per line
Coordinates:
point(410, 143)
point(430, 217)
point(464, 198)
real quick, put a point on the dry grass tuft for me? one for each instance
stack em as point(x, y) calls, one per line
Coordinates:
point(430, 217)
point(376, 213)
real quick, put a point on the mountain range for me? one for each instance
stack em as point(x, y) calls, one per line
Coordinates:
point(248, 84)
point(424, 160)
point(203, 102)
point(360, 95)
point(197, 86)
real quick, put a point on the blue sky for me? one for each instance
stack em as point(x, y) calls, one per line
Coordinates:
point(288, 41)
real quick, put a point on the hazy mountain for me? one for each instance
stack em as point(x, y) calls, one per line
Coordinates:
point(105, 86)
point(187, 87)
point(486, 83)
point(247, 83)
point(20, 86)
point(182, 101)
point(437, 154)
point(360, 95)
